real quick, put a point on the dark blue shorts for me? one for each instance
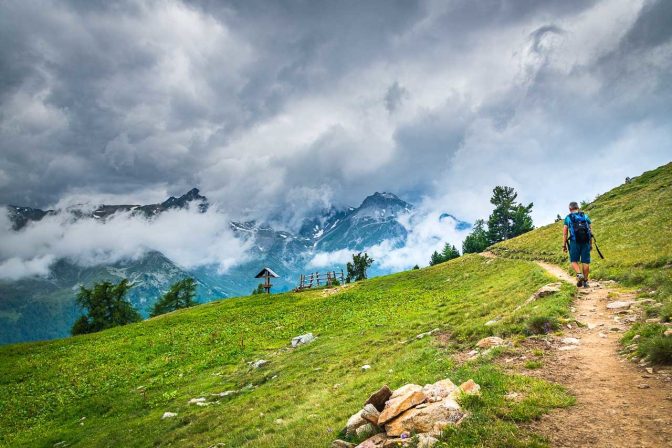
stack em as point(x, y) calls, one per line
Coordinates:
point(579, 252)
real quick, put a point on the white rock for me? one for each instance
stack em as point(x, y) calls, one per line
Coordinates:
point(544, 291)
point(168, 415)
point(570, 341)
point(427, 333)
point(565, 348)
point(619, 304)
point(439, 390)
point(303, 339)
point(197, 400)
point(364, 430)
point(258, 364)
point(226, 393)
point(490, 323)
point(354, 422)
point(365, 367)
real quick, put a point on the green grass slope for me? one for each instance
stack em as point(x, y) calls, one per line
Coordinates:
point(633, 227)
point(110, 389)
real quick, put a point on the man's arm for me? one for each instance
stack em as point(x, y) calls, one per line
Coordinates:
point(564, 238)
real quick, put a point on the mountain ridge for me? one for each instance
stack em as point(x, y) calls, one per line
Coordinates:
point(289, 253)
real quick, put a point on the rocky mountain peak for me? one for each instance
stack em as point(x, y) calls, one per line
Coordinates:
point(383, 200)
point(192, 195)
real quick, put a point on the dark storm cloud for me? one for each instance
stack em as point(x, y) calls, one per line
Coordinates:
point(283, 107)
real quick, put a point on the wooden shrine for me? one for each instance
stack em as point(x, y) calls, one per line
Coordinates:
point(267, 274)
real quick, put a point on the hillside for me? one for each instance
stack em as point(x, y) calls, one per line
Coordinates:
point(633, 231)
point(47, 388)
point(112, 388)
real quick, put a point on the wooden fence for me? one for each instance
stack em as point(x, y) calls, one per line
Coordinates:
point(316, 279)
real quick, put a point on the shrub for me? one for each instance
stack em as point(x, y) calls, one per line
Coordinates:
point(542, 325)
point(658, 349)
point(532, 364)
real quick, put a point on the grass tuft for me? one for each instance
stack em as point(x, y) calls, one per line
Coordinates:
point(533, 364)
point(658, 350)
point(542, 325)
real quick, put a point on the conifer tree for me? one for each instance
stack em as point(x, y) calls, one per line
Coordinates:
point(477, 241)
point(508, 219)
point(435, 258)
point(106, 307)
point(180, 295)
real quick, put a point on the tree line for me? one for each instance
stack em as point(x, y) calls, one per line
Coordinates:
point(508, 219)
point(106, 306)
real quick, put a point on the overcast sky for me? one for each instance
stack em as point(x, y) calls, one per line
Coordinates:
point(291, 105)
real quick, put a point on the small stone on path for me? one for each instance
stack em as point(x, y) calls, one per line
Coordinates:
point(619, 304)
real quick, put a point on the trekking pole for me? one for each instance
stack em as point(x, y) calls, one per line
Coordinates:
point(597, 247)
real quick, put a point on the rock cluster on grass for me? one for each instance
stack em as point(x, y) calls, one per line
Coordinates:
point(392, 418)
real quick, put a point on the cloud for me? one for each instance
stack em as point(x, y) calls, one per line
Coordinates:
point(185, 236)
point(275, 108)
point(427, 232)
point(394, 96)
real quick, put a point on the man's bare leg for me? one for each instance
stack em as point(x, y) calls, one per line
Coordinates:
point(576, 267)
point(586, 270)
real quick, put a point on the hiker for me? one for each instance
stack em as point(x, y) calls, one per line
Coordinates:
point(577, 233)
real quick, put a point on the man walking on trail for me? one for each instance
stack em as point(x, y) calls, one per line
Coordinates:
point(577, 233)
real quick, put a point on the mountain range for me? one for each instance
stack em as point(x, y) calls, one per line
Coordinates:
point(37, 308)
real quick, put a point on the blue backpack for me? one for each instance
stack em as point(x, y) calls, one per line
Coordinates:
point(579, 230)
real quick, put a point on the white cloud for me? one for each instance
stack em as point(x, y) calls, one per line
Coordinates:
point(276, 111)
point(185, 236)
point(427, 232)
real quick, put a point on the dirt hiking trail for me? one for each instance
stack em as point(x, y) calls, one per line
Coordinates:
point(618, 403)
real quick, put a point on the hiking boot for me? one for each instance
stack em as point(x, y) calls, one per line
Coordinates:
point(579, 280)
point(585, 283)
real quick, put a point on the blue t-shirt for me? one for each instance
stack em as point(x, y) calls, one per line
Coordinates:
point(568, 223)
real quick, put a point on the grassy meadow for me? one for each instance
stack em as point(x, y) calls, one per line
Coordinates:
point(111, 388)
